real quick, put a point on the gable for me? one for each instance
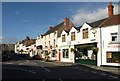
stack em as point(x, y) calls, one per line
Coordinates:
point(63, 32)
point(73, 29)
point(85, 25)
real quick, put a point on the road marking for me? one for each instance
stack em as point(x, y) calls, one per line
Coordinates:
point(78, 68)
point(27, 60)
point(60, 79)
point(93, 72)
point(9, 63)
point(34, 63)
point(21, 64)
point(45, 69)
point(103, 74)
point(43, 80)
point(114, 77)
point(26, 71)
point(31, 71)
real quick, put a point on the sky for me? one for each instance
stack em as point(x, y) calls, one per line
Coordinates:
point(21, 19)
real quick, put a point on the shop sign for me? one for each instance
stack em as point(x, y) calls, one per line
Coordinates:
point(113, 46)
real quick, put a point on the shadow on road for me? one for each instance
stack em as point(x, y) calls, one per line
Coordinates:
point(57, 73)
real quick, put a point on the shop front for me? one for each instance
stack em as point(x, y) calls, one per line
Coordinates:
point(113, 54)
point(86, 53)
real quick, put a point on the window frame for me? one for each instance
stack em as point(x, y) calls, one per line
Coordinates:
point(64, 38)
point(85, 33)
point(73, 36)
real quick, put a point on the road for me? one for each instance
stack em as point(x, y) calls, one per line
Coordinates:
point(44, 71)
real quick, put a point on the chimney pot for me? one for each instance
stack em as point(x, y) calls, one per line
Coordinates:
point(110, 9)
point(50, 28)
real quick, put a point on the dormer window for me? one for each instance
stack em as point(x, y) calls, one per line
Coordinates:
point(63, 38)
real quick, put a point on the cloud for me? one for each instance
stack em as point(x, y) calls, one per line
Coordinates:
point(25, 20)
point(83, 15)
point(8, 40)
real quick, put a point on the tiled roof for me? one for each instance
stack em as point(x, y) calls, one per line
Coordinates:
point(113, 20)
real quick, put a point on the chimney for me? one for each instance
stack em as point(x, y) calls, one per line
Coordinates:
point(49, 28)
point(110, 9)
point(67, 23)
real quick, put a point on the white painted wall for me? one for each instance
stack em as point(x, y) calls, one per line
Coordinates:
point(91, 36)
point(106, 38)
point(76, 35)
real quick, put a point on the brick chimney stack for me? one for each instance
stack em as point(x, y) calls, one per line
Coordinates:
point(50, 28)
point(67, 23)
point(110, 9)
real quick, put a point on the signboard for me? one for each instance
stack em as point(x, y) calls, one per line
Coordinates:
point(113, 47)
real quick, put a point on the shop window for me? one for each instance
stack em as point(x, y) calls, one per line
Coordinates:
point(72, 36)
point(113, 57)
point(63, 38)
point(85, 33)
point(65, 53)
point(54, 53)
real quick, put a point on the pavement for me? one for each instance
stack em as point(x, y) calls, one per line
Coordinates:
point(114, 70)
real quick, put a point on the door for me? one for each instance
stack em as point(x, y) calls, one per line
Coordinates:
point(59, 56)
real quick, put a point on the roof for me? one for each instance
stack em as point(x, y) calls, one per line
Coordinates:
point(60, 27)
point(54, 28)
point(112, 20)
point(63, 28)
point(78, 28)
point(96, 23)
point(29, 42)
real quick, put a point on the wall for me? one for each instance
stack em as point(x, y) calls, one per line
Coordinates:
point(106, 38)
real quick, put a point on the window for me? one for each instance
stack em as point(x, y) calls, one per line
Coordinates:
point(85, 33)
point(65, 53)
point(72, 36)
point(63, 38)
point(114, 37)
point(45, 43)
point(54, 42)
point(49, 43)
point(54, 34)
point(113, 57)
point(54, 53)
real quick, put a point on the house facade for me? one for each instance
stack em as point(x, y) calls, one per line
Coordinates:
point(50, 39)
point(96, 41)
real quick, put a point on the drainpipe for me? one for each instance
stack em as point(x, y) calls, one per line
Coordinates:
point(101, 44)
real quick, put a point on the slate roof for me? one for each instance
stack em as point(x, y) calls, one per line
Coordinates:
point(60, 27)
point(29, 42)
point(54, 29)
point(97, 23)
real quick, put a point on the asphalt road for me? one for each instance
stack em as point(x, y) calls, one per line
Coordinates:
point(45, 71)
